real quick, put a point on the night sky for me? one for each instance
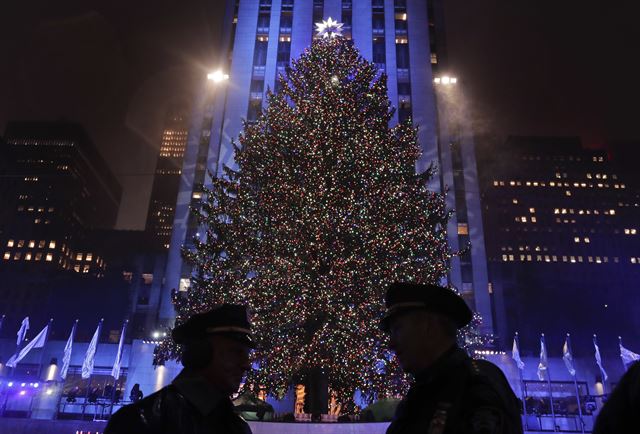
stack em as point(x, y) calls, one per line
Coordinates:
point(545, 67)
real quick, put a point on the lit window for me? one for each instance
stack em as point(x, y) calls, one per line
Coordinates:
point(598, 260)
point(10, 243)
point(49, 257)
point(576, 239)
point(573, 259)
point(52, 244)
point(41, 244)
point(463, 229)
point(89, 257)
point(85, 269)
point(532, 210)
point(38, 256)
point(196, 195)
point(495, 183)
point(534, 220)
point(27, 256)
point(7, 256)
point(76, 268)
point(79, 257)
point(568, 193)
point(32, 244)
point(21, 243)
point(633, 260)
point(515, 201)
point(17, 256)
point(147, 278)
point(524, 219)
point(633, 231)
point(37, 221)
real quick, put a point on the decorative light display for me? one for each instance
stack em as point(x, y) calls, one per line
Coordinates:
point(324, 210)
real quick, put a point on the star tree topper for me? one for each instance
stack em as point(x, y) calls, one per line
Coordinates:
point(329, 28)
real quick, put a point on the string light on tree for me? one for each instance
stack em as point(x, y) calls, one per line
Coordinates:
point(323, 211)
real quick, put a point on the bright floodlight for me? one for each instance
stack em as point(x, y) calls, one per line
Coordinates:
point(156, 335)
point(217, 76)
point(446, 80)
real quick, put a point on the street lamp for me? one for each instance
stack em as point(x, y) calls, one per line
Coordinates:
point(217, 76)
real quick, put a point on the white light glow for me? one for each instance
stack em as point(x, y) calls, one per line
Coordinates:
point(217, 76)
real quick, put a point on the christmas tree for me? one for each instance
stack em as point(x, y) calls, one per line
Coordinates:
point(323, 210)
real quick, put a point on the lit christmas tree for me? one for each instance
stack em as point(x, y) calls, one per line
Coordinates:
point(323, 210)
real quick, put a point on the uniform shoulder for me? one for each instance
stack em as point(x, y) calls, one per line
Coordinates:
point(134, 418)
point(493, 406)
point(129, 419)
point(488, 384)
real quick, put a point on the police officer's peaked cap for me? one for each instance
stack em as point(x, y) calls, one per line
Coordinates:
point(227, 319)
point(402, 297)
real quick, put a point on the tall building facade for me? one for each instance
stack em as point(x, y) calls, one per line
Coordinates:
point(56, 185)
point(405, 39)
point(166, 180)
point(564, 243)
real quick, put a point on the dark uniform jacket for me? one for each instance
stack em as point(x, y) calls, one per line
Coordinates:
point(621, 413)
point(458, 395)
point(189, 405)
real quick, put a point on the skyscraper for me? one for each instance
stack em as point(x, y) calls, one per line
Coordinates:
point(56, 184)
point(404, 38)
point(166, 180)
point(565, 236)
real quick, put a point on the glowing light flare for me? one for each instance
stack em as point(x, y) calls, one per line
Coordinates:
point(217, 76)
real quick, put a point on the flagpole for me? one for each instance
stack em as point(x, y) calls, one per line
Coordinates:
point(522, 388)
point(86, 396)
point(46, 339)
point(553, 412)
point(620, 345)
point(115, 380)
point(604, 387)
point(575, 383)
point(19, 345)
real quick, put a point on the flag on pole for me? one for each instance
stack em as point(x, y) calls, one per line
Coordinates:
point(568, 357)
point(115, 372)
point(66, 358)
point(23, 330)
point(37, 342)
point(515, 354)
point(627, 356)
point(544, 362)
point(599, 359)
point(90, 356)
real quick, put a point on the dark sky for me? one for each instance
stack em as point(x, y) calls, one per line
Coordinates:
point(527, 67)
